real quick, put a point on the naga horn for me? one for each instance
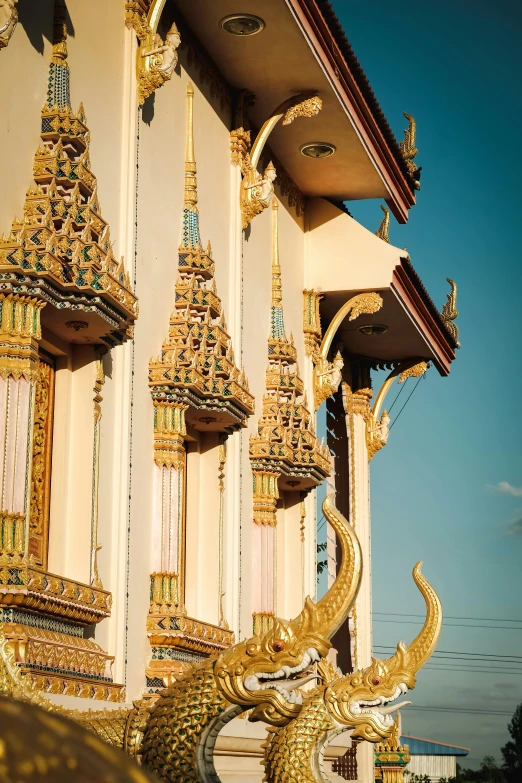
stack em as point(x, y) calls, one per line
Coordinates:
point(415, 655)
point(332, 610)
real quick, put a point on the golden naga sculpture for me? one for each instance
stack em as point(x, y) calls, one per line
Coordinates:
point(8, 21)
point(176, 736)
point(409, 150)
point(36, 745)
point(407, 145)
point(384, 226)
point(450, 312)
point(361, 701)
point(256, 190)
point(156, 59)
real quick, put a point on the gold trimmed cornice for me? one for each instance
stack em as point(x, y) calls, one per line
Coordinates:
point(185, 633)
point(24, 585)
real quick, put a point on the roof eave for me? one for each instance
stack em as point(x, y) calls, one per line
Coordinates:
point(359, 102)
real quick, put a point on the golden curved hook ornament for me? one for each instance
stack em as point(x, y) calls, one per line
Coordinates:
point(257, 191)
point(327, 375)
point(398, 372)
point(155, 59)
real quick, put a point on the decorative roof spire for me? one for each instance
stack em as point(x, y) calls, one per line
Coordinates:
point(277, 329)
point(58, 87)
point(285, 437)
point(383, 230)
point(191, 238)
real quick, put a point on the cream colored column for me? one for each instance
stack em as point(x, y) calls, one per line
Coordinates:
point(19, 333)
point(265, 498)
point(168, 524)
point(236, 443)
point(116, 534)
point(357, 408)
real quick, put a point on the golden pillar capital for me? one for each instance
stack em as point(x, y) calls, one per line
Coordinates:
point(20, 331)
point(361, 401)
point(169, 434)
point(239, 145)
point(266, 495)
point(312, 321)
point(12, 538)
point(262, 622)
point(165, 594)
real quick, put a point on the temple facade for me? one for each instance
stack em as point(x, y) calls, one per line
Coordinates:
point(183, 296)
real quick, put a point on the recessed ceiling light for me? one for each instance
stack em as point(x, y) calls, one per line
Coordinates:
point(317, 149)
point(242, 24)
point(370, 330)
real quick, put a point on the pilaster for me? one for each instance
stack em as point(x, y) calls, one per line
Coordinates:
point(357, 407)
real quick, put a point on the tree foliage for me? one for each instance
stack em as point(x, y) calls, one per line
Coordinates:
point(512, 750)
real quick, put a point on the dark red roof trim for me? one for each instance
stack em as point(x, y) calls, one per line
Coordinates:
point(410, 269)
point(342, 42)
point(407, 286)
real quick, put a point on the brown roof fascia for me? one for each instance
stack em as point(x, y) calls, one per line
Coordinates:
point(337, 57)
point(408, 287)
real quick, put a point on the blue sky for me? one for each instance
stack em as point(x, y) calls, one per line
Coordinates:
point(455, 66)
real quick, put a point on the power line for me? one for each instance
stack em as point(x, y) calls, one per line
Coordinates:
point(465, 670)
point(460, 652)
point(471, 665)
point(407, 401)
point(397, 396)
point(451, 625)
point(464, 711)
point(452, 617)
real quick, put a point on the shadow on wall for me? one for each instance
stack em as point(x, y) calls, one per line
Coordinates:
point(37, 21)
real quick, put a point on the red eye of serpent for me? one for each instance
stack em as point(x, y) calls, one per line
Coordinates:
point(376, 681)
point(278, 646)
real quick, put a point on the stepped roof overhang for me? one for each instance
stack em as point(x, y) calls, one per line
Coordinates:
point(303, 48)
point(346, 259)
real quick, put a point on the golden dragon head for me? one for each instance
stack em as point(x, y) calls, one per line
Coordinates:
point(263, 672)
point(363, 700)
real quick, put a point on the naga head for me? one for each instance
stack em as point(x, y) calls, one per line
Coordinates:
point(263, 672)
point(365, 699)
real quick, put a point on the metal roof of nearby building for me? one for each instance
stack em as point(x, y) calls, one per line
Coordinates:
point(424, 747)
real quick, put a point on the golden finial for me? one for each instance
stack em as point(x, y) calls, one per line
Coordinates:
point(191, 193)
point(450, 312)
point(277, 330)
point(384, 225)
point(407, 145)
point(277, 292)
point(59, 32)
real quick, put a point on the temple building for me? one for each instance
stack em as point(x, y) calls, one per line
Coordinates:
point(184, 297)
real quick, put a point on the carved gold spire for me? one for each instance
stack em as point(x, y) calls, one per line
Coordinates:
point(285, 447)
point(196, 365)
point(62, 241)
